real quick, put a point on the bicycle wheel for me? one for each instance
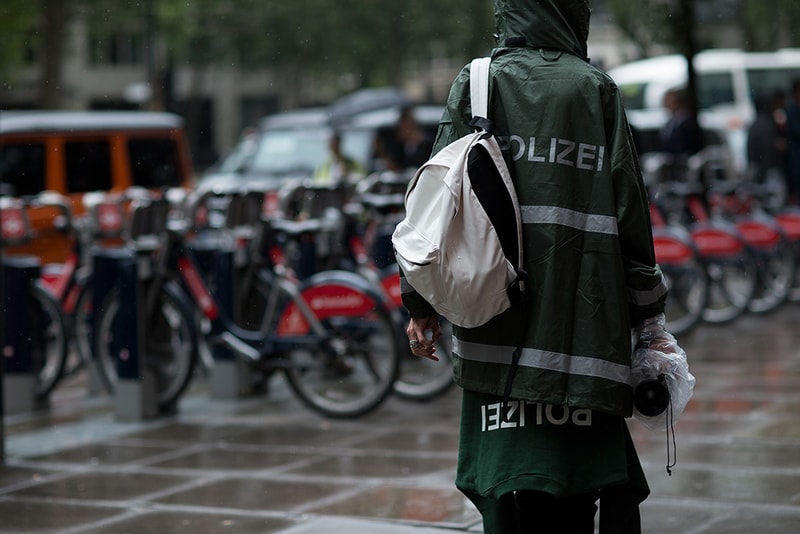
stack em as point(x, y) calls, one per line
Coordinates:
point(170, 343)
point(688, 295)
point(50, 354)
point(351, 370)
point(205, 355)
point(421, 379)
point(776, 276)
point(733, 283)
point(794, 290)
point(789, 220)
point(81, 328)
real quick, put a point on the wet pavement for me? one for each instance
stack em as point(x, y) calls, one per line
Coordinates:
point(266, 464)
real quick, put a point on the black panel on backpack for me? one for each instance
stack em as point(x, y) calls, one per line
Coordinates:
point(494, 197)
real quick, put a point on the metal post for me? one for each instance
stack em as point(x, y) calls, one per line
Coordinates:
point(20, 342)
point(2, 361)
point(231, 376)
point(136, 397)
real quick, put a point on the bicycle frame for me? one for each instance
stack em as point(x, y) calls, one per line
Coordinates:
point(61, 283)
point(300, 322)
point(766, 236)
point(388, 279)
point(719, 247)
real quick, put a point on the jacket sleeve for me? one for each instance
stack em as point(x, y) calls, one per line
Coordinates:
point(417, 306)
point(647, 291)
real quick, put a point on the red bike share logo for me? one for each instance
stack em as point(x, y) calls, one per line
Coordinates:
point(13, 222)
point(329, 300)
point(670, 250)
point(109, 217)
point(391, 285)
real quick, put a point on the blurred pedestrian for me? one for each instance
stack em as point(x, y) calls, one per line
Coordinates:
point(793, 128)
point(408, 146)
point(681, 136)
point(338, 167)
point(765, 144)
point(543, 433)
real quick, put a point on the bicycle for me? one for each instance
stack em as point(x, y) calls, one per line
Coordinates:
point(70, 281)
point(381, 197)
point(739, 201)
point(685, 274)
point(789, 220)
point(769, 197)
point(729, 263)
point(331, 335)
point(357, 237)
point(51, 331)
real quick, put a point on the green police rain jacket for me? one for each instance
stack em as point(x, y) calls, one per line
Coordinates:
point(587, 235)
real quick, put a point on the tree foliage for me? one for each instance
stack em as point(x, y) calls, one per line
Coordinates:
point(350, 44)
point(372, 41)
point(17, 25)
point(770, 24)
point(764, 24)
point(641, 23)
point(371, 38)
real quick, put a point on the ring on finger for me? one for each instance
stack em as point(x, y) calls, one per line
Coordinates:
point(414, 343)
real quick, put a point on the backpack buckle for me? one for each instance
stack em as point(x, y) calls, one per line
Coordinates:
point(482, 123)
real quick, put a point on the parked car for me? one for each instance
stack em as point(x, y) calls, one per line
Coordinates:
point(290, 145)
point(76, 152)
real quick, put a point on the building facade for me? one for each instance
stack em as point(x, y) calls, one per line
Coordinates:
point(218, 102)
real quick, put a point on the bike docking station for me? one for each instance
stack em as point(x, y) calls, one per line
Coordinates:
point(23, 345)
point(135, 395)
point(230, 375)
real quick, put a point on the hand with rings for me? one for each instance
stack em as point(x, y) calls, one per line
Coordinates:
point(419, 344)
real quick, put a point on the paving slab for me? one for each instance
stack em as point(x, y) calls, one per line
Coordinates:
point(266, 464)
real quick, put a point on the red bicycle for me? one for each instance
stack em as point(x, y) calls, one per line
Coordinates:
point(331, 335)
point(729, 263)
point(44, 317)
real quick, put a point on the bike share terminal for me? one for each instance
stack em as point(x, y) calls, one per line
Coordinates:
point(22, 343)
point(135, 394)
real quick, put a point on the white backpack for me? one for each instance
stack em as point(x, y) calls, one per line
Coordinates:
point(448, 246)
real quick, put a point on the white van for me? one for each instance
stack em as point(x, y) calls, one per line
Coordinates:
point(727, 82)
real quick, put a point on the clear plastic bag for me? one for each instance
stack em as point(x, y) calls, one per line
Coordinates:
point(660, 376)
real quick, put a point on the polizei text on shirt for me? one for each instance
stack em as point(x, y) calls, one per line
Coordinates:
point(522, 413)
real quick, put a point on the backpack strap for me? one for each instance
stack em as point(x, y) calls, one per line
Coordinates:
point(479, 98)
point(479, 94)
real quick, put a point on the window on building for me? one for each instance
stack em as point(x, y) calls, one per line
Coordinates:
point(117, 49)
point(154, 162)
point(253, 109)
point(29, 55)
point(22, 167)
point(88, 165)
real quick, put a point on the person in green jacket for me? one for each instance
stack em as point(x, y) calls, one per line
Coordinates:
point(539, 456)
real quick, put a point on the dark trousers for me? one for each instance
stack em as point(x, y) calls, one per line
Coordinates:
point(533, 512)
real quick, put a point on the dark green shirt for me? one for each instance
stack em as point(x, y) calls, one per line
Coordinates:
point(554, 449)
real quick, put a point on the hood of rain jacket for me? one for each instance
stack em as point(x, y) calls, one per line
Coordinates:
point(548, 24)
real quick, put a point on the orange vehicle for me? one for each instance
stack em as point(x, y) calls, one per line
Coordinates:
point(76, 152)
